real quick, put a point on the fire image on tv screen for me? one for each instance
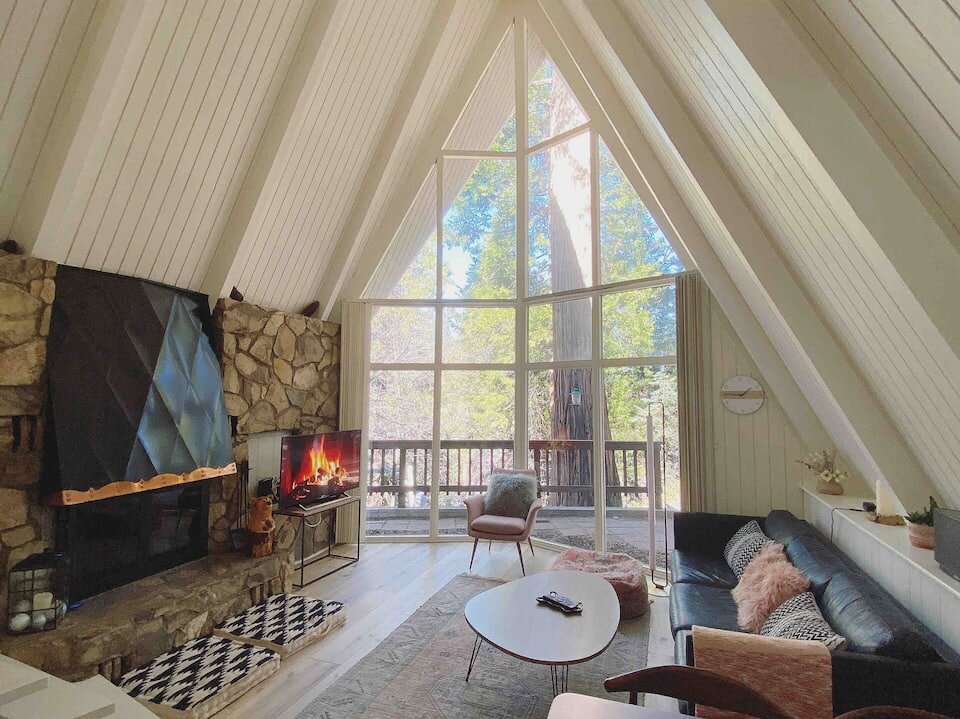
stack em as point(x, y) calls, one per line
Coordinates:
point(316, 467)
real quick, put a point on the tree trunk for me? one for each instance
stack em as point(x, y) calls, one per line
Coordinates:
point(570, 261)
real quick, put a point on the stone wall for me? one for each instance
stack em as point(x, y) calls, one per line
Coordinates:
point(26, 297)
point(281, 371)
point(128, 626)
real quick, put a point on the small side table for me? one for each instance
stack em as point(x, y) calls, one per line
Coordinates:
point(317, 510)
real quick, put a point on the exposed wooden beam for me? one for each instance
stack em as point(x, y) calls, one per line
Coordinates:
point(346, 249)
point(823, 375)
point(94, 95)
point(656, 186)
point(276, 145)
point(369, 257)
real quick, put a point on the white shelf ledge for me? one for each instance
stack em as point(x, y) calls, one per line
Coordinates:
point(911, 574)
point(893, 537)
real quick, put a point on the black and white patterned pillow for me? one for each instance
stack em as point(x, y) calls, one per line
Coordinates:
point(200, 677)
point(284, 623)
point(744, 546)
point(799, 618)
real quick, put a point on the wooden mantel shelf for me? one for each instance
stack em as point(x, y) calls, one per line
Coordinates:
point(117, 489)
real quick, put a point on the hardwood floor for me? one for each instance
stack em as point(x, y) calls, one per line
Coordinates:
point(390, 582)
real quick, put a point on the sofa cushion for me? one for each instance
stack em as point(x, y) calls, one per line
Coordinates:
point(768, 582)
point(706, 532)
point(690, 567)
point(871, 622)
point(799, 618)
point(746, 531)
point(696, 604)
point(818, 560)
point(510, 493)
point(494, 524)
point(782, 526)
point(745, 551)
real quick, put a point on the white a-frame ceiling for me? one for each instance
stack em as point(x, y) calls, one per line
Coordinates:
point(804, 153)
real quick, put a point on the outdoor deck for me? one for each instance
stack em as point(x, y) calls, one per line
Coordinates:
point(626, 529)
point(398, 488)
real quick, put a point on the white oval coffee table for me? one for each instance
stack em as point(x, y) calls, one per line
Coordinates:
point(509, 618)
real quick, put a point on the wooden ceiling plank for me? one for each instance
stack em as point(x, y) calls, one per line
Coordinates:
point(96, 91)
point(821, 371)
point(346, 248)
point(276, 145)
point(368, 257)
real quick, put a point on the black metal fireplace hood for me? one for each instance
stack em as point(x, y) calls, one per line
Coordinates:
point(135, 400)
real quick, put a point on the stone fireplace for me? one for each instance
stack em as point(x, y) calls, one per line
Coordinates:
point(281, 373)
point(125, 627)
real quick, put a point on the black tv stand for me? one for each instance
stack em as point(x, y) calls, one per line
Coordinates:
point(319, 508)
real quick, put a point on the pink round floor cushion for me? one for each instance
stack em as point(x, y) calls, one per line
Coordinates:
point(624, 573)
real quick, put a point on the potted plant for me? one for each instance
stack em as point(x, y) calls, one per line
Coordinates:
point(920, 527)
point(823, 463)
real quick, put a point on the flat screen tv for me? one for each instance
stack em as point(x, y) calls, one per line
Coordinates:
point(318, 467)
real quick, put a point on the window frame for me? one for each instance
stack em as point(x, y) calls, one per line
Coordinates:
point(522, 366)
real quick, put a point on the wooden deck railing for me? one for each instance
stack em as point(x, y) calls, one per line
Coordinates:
point(399, 469)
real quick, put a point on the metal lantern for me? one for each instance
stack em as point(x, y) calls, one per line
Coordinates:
point(37, 592)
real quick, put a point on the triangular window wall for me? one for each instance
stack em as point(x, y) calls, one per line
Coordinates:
point(477, 175)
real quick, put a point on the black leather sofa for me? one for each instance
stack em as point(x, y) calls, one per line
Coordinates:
point(890, 657)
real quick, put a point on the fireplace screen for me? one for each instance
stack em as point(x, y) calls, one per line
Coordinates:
point(318, 467)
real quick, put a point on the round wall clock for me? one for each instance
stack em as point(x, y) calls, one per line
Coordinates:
point(742, 394)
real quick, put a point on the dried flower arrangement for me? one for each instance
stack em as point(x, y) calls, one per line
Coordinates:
point(823, 463)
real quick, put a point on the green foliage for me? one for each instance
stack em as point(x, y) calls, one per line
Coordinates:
point(923, 516)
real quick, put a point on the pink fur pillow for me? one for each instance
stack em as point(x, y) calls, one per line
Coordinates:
point(766, 583)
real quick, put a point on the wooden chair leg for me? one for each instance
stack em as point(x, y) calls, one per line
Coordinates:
point(474, 552)
point(530, 542)
point(520, 552)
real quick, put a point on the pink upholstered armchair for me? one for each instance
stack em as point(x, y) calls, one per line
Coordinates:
point(500, 529)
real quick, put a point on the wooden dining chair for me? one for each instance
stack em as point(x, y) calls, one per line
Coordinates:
point(699, 686)
point(890, 713)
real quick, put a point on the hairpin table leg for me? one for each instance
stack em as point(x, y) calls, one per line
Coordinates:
point(559, 677)
point(477, 644)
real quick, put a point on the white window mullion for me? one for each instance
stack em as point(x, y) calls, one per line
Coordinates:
point(437, 356)
point(595, 204)
point(521, 451)
point(599, 401)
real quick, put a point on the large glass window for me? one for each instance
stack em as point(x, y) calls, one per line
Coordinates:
point(480, 229)
point(548, 345)
point(400, 453)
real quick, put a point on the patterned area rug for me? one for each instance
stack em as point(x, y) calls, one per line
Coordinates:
point(418, 671)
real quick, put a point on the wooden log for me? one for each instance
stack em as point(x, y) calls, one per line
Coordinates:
point(261, 543)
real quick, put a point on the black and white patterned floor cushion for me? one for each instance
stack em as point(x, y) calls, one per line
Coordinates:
point(200, 678)
point(284, 623)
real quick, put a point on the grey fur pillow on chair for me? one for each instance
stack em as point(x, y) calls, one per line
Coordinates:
point(510, 493)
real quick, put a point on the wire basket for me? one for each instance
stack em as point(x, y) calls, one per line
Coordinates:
point(37, 592)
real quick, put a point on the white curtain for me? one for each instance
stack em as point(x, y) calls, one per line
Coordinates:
point(354, 382)
point(691, 393)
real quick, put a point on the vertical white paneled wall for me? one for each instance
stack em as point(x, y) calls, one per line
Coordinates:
point(753, 456)
point(854, 278)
